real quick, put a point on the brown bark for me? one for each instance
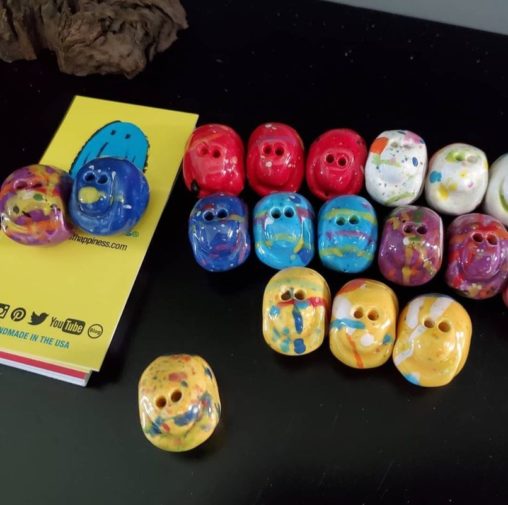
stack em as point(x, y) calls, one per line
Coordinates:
point(90, 36)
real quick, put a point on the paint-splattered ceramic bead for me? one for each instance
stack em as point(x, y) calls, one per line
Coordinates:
point(335, 164)
point(395, 168)
point(109, 196)
point(496, 198)
point(411, 246)
point(33, 205)
point(213, 161)
point(179, 404)
point(457, 179)
point(477, 256)
point(362, 327)
point(284, 230)
point(433, 338)
point(219, 232)
point(275, 159)
point(296, 305)
point(347, 234)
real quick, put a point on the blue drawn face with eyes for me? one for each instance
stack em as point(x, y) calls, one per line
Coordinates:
point(109, 196)
point(347, 234)
point(284, 230)
point(219, 232)
point(115, 140)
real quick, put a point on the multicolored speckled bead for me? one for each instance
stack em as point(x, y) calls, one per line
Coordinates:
point(411, 247)
point(179, 404)
point(477, 256)
point(296, 304)
point(362, 327)
point(496, 198)
point(457, 179)
point(33, 205)
point(347, 234)
point(395, 168)
point(284, 230)
point(433, 338)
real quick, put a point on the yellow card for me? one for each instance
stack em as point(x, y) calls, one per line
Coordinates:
point(63, 303)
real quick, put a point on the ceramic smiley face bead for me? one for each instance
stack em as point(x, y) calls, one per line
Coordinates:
point(296, 304)
point(33, 205)
point(213, 161)
point(109, 196)
point(395, 168)
point(275, 159)
point(411, 247)
point(284, 230)
point(219, 232)
point(179, 404)
point(347, 234)
point(457, 179)
point(496, 198)
point(362, 327)
point(477, 256)
point(433, 338)
point(335, 164)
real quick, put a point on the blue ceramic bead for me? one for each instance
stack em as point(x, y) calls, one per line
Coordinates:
point(109, 196)
point(284, 230)
point(114, 140)
point(347, 234)
point(219, 232)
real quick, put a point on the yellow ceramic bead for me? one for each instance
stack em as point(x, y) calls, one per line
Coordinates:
point(296, 304)
point(433, 339)
point(179, 404)
point(362, 329)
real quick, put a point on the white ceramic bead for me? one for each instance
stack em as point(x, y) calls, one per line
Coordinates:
point(496, 198)
point(457, 179)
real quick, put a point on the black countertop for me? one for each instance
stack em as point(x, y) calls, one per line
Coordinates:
point(306, 430)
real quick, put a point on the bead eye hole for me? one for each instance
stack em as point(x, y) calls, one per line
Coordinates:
point(222, 214)
point(354, 220)
point(285, 296)
point(478, 237)
point(276, 213)
point(340, 221)
point(408, 228)
point(176, 396)
point(300, 294)
point(203, 151)
point(208, 215)
point(492, 239)
point(103, 178)
point(444, 326)
point(20, 185)
point(459, 157)
point(279, 150)
point(395, 145)
point(330, 158)
point(267, 150)
point(37, 185)
point(89, 177)
point(472, 159)
point(428, 323)
point(289, 212)
point(373, 315)
point(160, 402)
point(342, 161)
point(216, 153)
point(358, 313)
point(421, 230)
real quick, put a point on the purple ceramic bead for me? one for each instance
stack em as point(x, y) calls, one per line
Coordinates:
point(411, 248)
point(477, 256)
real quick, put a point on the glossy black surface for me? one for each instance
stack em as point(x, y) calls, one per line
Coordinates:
point(305, 430)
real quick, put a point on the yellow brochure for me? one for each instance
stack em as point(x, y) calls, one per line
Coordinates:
point(62, 303)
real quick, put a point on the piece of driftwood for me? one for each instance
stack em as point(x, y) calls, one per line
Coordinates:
point(90, 36)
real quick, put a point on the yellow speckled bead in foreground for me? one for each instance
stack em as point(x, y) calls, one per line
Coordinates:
point(296, 304)
point(179, 404)
point(362, 327)
point(433, 339)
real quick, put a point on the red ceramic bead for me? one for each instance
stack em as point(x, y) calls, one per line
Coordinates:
point(275, 159)
point(213, 161)
point(335, 164)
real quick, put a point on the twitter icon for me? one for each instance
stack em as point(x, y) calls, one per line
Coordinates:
point(36, 319)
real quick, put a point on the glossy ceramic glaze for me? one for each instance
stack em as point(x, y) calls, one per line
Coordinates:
point(457, 179)
point(477, 256)
point(33, 205)
point(213, 161)
point(284, 230)
point(219, 232)
point(179, 404)
point(347, 234)
point(296, 304)
point(496, 197)
point(275, 159)
point(335, 164)
point(109, 196)
point(411, 246)
point(395, 168)
point(433, 338)
point(363, 322)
